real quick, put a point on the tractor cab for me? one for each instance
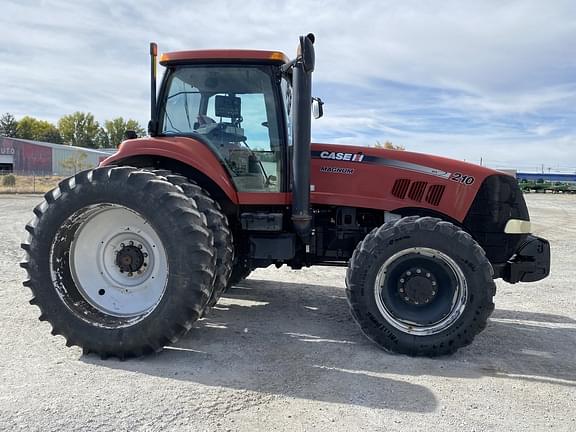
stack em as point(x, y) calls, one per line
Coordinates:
point(237, 107)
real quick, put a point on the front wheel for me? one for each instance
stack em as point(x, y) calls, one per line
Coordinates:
point(420, 286)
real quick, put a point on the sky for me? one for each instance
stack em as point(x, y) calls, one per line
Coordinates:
point(490, 80)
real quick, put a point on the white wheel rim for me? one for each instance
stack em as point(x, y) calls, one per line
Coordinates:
point(459, 299)
point(105, 231)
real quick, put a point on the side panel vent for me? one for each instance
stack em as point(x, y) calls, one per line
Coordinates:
point(400, 188)
point(417, 190)
point(434, 194)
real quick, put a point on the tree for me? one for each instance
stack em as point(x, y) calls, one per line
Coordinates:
point(8, 125)
point(37, 130)
point(388, 145)
point(114, 130)
point(75, 163)
point(79, 129)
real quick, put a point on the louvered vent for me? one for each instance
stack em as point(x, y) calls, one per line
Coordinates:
point(400, 188)
point(434, 194)
point(417, 190)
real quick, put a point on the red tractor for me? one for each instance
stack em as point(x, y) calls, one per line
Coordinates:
point(124, 258)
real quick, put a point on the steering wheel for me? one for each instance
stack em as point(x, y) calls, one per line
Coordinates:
point(226, 132)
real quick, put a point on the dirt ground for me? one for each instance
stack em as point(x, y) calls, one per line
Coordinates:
point(281, 353)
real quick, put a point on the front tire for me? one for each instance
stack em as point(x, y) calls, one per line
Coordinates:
point(120, 261)
point(420, 286)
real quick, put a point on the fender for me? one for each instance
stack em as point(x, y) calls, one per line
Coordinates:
point(189, 151)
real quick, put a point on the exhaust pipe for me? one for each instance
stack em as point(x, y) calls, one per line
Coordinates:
point(301, 124)
point(153, 123)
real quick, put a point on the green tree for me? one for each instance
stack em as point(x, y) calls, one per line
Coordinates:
point(79, 129)
point(114, 131)
point(8, 125)
point(75, 163)
point(37, 130)
point(26, 127)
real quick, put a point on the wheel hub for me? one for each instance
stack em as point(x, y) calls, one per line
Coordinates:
point(130, 258)
point(417, 286)
point(118, 261)
point(420, 291)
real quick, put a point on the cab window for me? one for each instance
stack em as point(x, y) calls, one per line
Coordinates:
point(234, 109)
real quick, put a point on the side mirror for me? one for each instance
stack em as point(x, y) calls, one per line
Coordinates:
point(317, 107)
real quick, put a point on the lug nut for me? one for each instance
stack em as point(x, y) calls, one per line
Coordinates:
point(406, 298)
point(401, 290)
point(433, 292)
point(139, 246)
point(131, 243)
point(418, 271)
point(433, 283)
point(122, 245)
point(130, 274)
point(402, 280)
point(145, 255)
point(408, 273)
point(427, 275)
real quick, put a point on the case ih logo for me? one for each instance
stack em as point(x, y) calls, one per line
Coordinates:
point(353, 157)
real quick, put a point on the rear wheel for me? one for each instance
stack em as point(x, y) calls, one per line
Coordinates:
point(217, 222)
point(120, 261)
point(420, 286)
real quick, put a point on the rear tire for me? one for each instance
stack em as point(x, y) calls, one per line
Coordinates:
point(217, 222)
point(105, 261)
point(420, 286)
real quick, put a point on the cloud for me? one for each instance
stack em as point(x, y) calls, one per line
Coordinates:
point(492, 79)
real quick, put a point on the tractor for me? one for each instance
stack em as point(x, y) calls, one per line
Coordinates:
point(124, 258)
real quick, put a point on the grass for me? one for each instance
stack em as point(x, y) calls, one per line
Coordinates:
point(31, 184)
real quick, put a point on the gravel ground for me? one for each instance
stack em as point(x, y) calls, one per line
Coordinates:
point(281, 353)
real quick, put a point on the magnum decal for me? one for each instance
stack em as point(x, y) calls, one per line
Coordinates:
point(337, 170)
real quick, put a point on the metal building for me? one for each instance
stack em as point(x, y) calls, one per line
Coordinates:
point(26, 157)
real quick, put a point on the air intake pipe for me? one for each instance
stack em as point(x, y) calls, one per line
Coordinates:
point(301, 124)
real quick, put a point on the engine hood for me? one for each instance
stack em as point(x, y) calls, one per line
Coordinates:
point(411, 161)
point(394, 180)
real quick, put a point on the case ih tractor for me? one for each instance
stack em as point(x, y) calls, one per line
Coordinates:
point(124, 258)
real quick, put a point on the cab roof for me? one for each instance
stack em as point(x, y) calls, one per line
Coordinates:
point(223, 55)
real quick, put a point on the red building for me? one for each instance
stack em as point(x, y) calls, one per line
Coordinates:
point(34, 157)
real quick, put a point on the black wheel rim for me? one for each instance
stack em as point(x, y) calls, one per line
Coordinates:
point(420, 291)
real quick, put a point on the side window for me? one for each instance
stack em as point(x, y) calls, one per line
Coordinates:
point(245, 139)
point(182, 106)
point(234, 109)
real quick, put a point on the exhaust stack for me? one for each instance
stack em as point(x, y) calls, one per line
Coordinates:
point(153, 123)
point(301, 124)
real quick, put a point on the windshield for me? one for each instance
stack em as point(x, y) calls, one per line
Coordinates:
point(234, 109)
